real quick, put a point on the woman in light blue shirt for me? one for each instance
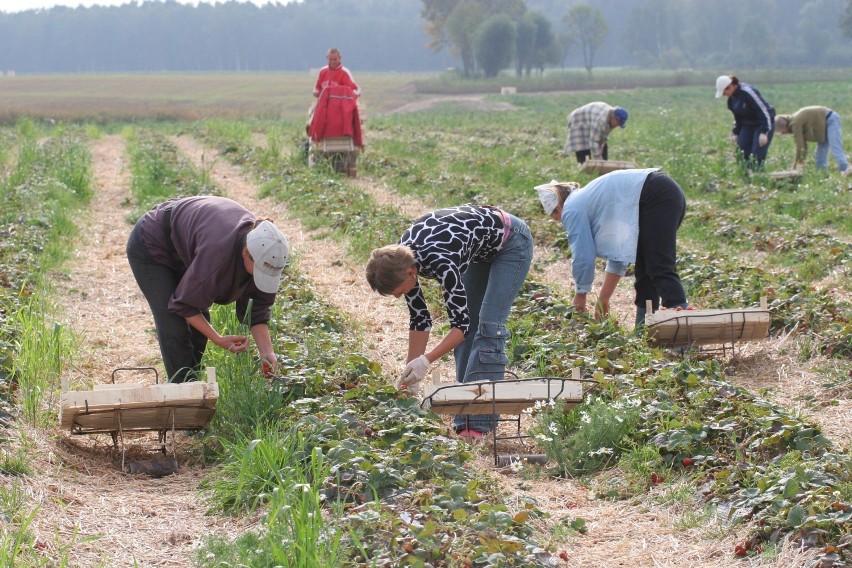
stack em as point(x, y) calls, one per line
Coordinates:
point(626, 216)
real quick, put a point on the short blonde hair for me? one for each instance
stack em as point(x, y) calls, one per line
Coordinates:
point(386, 269)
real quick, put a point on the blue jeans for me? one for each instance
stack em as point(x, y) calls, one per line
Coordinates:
point(491, 289)
point(748, 141)
point(833, 142)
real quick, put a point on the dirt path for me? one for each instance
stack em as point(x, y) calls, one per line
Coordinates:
point(100, 298)
point(81, 489)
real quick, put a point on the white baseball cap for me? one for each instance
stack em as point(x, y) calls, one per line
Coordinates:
point(722, 82)
point(268, 247)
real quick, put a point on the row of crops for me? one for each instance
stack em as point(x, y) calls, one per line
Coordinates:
point(762, 464)
point(350, 473)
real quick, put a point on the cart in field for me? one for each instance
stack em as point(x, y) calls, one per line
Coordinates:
point(510, 396)
point(335, 130)
point(120, 408)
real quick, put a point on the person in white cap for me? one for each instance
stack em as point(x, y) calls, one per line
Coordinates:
point(624, 217)
point(754, 119)
point(188, 254)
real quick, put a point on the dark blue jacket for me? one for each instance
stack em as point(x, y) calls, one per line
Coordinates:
point(750, 109)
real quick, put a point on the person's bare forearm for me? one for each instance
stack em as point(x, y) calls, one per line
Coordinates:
point(418, 341)
point(611, 280)
point(260, 332)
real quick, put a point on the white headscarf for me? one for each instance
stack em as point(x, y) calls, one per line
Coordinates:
point(547, 196)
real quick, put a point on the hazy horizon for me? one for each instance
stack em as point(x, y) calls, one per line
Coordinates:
point(9, 6)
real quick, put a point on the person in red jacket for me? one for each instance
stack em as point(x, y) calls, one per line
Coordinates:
point(335, 74)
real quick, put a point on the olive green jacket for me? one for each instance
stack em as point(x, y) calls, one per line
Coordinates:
point(808, 125)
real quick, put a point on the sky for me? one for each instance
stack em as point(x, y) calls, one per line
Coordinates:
point(20, 5)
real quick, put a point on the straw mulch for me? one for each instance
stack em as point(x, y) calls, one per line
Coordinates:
point(159, 522)
point(109, 517)
point(644, 538)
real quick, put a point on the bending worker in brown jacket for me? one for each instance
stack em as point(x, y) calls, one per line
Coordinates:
point(188, 254)
point(815, 124)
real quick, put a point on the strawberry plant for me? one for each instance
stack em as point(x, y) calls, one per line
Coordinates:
point(766, 240)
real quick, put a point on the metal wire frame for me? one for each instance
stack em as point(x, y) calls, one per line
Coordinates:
point(555, 389)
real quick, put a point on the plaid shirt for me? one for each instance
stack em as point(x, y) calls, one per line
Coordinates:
point(588, 128)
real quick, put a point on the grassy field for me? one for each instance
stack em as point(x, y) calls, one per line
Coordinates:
point(103, 98)
point(287, 96)
point(759, 460)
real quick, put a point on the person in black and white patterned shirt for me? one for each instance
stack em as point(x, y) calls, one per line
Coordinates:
point(480, 256)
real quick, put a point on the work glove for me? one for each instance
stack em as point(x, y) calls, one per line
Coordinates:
point(763, 140)
point(734, 138)
point(413, 388)
point(414, 372)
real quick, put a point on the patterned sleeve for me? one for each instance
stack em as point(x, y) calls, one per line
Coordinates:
point(455, 297)
point(418, 311)
point(599, 133)
point(445, 243)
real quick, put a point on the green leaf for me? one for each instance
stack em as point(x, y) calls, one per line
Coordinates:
point(791, 489)
point(579, 525)
point(796, 516)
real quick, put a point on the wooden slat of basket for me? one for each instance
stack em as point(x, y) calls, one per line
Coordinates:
point(145, 418)
point(702, 327)
point(510, 397)
point(786, 174)
point(337, 144)
point(112, 386)
point(605, 166)
point(143, 401)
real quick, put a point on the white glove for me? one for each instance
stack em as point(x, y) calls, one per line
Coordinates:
point(734, 138)
point(412, 389)
point(415, 371)
point(763, 140)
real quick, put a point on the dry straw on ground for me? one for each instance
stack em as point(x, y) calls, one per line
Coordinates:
point(159, 522)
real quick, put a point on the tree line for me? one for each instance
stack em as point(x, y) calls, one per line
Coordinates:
point(478, 37)
point(668, 34)
point(164, 35)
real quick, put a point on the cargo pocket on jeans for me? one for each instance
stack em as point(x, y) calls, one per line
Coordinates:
point(493, 358)
point(493, 343)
